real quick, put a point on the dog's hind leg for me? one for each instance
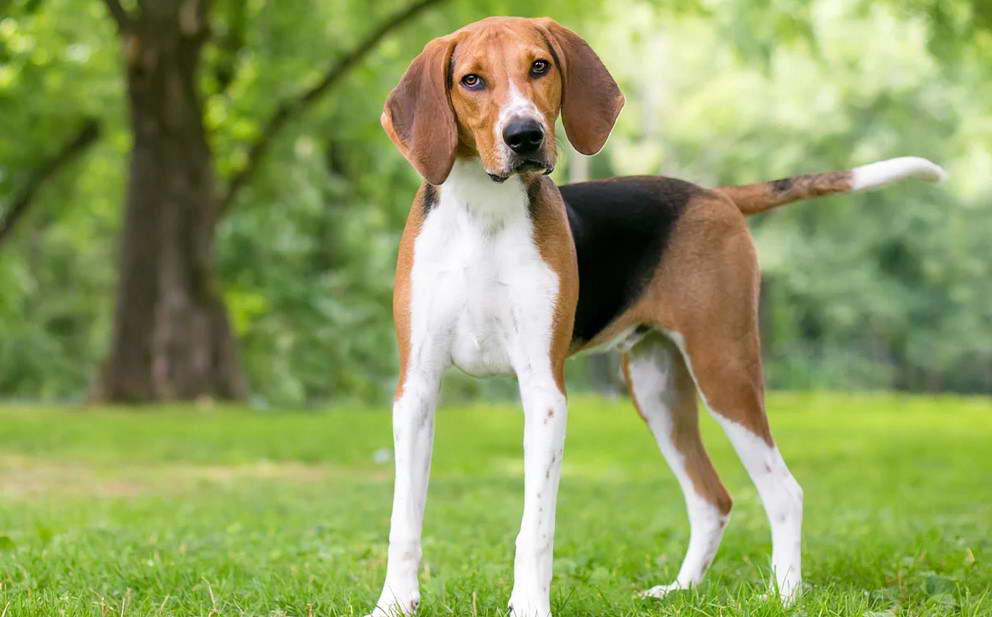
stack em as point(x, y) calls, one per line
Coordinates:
point(665, 396)
point(719, 339)
point(729, 379)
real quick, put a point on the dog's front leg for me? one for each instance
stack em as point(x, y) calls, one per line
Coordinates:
point(413, 439)
point(544, 438)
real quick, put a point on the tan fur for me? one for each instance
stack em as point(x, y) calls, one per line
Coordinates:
point(591, 100)
point(418, 117)
point(432, 118)
point(757, 198)
point(706, 290)
point(554, 242)
point(501, 50)
point(401, 286)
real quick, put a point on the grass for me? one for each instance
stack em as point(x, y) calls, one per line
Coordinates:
point(212, 512)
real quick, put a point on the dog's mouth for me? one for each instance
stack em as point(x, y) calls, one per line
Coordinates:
point(523, 166)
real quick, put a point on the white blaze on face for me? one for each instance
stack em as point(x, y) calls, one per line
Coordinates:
point(517, 107)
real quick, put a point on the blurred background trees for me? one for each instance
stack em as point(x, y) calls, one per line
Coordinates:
point(291, 253)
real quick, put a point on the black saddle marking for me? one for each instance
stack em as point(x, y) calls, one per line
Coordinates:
point(621, 229)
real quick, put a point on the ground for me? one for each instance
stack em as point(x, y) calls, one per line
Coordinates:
point(218, 511)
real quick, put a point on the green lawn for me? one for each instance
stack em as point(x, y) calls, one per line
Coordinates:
point(209, 512)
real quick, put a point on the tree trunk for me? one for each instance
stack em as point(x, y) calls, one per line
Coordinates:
point(172, 339)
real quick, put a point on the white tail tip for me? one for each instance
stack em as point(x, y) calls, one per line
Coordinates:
point(882, 173)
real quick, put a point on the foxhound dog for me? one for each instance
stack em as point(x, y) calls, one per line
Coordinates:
point(500, 271)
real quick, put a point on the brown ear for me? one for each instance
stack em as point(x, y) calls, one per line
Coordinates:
point(590, 99)
point(419, 117)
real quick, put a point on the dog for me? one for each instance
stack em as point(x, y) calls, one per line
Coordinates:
point(500, 271)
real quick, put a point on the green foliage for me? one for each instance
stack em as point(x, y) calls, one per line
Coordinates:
point(883, 290)
point(57, 273)
point(888, 290)
point(188, 512)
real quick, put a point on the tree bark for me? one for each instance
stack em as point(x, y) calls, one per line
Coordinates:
point(172, 339)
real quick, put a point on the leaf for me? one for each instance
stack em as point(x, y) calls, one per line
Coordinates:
point(6, 544)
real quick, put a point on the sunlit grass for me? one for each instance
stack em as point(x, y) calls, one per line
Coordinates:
point(201, 512)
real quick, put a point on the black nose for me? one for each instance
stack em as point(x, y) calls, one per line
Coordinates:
point(523, 136)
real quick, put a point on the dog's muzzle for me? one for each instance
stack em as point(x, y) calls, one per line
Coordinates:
point(523, 166)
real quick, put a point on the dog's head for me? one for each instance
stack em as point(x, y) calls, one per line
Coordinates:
point(493, 90)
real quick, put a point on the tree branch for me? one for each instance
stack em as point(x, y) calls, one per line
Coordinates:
point(119, 13)
point(72, 148)
point(230, 44)
point(294, 106)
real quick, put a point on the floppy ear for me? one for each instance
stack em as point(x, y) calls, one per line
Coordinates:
point(419, 117)
point(590, 99)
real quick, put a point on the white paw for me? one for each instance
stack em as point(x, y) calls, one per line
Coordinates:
point(521, 606)
point(786, 597)
point(660, 591)
point(396, 605)
point(790, 593)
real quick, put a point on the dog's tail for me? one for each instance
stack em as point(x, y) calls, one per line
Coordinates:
point(757, 198)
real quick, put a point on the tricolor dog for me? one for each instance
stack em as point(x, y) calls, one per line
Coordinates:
point(500, 271)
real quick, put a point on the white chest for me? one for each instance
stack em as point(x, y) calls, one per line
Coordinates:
point(480, 288)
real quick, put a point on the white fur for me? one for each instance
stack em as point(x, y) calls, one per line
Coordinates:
point(623, 342)
point(413, 437)
point(482, 299)
point(780, 494)
point(545, 416)
point(516, 107)
point(477, 268)
point(882, 173)
point(783, 500)
point(655, 387)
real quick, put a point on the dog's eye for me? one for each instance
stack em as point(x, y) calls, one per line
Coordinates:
point(473, 82)
point(540, 67)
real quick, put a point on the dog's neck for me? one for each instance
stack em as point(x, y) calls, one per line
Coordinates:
point(470, 188)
